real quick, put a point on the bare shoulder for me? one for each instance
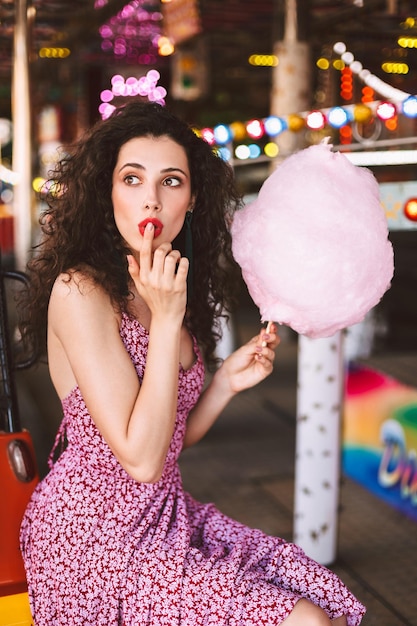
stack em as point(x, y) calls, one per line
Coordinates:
point(75, 283)
point(82, 327)
point(76, 293)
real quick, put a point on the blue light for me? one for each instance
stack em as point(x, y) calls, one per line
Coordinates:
point(409, 106)
point(254, 151)
point(224, 153)
point(338, 117)
point(222, 134)
point(274, 125)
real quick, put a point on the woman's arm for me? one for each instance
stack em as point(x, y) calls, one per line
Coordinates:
point(245, 368)
point(137, 421)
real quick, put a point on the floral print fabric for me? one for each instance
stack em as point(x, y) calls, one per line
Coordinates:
point(101, 549)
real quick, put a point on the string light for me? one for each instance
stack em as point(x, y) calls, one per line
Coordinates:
point(316, 120)
point(222, 134)
point(338, 117)
point(255, 129)
point(145, 86)
point(386, 111)
point(133, 34)
point(369, 111)
point(409, 106)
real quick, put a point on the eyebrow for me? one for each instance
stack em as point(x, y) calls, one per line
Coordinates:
point(166, 170)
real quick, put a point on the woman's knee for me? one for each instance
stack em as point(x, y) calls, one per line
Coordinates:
point(305, 613)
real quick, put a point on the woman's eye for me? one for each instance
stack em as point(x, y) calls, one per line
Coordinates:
point(131, 179)
point(172, 182)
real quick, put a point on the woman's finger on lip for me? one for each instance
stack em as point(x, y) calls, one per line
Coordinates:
point(149, 231)
point(157, 225)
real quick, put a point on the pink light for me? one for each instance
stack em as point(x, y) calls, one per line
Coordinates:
point(106, 110)
point(208, 135)
point(133, 33)
point(255, 129)
point(106, 95)
point(386, 111)
point(105, 31)
point(153, 75)
point(143, 86)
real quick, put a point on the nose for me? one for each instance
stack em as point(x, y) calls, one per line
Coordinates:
point(150, 205)
point(152, 200)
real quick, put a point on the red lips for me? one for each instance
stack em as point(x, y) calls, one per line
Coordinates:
point(158, 226)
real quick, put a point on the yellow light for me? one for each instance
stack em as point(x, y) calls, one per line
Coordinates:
point(362, 113)
point(395, 68)
point(407, 42)
point(323, 64)
point(54, 53)
point(165, 47)
point(263, 60)
point(338, 64)
point(239, 130)
point(38, 183)
point(271, 149)
point(295, 122)
point(409, 22)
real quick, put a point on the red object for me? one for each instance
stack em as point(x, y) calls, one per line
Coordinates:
point(410, 209)
point(18, 478)
point(6, 233)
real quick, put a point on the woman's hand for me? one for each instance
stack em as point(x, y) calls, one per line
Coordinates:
point(251, 363)
point(160, 277)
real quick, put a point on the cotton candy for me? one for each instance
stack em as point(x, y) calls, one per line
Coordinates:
point(313, 246)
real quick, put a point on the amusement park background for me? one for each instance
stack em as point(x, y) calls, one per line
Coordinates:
point(259, 81)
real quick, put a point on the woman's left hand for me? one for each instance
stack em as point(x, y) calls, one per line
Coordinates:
point(251, 363)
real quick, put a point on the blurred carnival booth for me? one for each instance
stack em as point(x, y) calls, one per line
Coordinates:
point(380, 408)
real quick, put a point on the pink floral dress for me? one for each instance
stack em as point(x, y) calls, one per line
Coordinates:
point(101, 549)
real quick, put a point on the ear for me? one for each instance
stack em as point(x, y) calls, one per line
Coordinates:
point(192, 204)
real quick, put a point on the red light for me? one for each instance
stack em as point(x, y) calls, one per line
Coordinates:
point(410, 209)
point(367, 94)
point(346, 84)
point(255, 129)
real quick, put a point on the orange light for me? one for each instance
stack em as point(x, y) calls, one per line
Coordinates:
point(367, 94)
point(295, 122)
point(345, 135)
point(410, 209)
point(392, 124)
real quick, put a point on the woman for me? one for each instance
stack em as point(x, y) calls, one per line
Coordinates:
point(109, 536)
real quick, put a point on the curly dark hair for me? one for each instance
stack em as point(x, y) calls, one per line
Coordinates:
point(79, 231)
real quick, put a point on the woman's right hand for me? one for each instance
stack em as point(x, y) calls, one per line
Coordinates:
point(160, 277)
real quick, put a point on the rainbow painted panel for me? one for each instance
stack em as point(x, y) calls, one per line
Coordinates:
point(380, 437)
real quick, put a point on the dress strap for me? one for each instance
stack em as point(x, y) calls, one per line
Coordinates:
point(59, 443)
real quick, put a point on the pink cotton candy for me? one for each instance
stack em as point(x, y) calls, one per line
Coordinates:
point(313, 247)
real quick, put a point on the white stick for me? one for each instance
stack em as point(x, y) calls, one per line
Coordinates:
point(267, 330)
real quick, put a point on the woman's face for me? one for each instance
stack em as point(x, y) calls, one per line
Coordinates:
point(151, 182)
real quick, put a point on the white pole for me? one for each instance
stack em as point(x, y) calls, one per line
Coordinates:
point(21, 159)
point(317, 465)
point(291, 79)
